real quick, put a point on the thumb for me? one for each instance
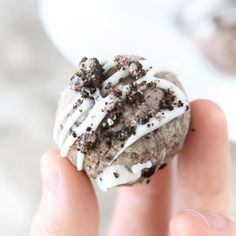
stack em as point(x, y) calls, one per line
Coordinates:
point(200, 223)
point(68, 206)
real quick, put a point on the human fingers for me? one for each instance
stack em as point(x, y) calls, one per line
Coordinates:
point(199, 223)
point(68, 206)
point(144, 209)
point(203, 174)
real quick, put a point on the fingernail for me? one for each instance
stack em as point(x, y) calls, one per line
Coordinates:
point(49, 172)
point(212, 220)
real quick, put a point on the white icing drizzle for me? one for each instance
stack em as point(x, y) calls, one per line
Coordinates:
point(63, 115)
point(79, 161)
point(100, 110)
point(118, 174)
point(108, 65)
point(85, 106)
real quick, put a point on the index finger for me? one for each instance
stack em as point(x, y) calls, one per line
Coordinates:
point(203, 173)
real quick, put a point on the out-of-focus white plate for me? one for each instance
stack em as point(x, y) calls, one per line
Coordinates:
point(102, 28)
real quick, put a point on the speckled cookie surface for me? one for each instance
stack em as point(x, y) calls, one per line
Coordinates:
point(121, 120)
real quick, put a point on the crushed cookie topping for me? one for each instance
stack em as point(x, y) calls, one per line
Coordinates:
point(168, 100)
point(149, 172)
point(116, 175)
point(136, 98)
point(108, 86)
point(144, 120)
point(125, 132)
point(136, 69)
point(162, 166)
point(88, 77)
point(113, 117)
point(88, 142)
point(122, 62)
point(180, 103)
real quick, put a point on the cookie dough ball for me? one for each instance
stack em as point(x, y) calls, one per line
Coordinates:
point(121, 120)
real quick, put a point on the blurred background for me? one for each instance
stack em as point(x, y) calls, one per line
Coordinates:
point(33, 71)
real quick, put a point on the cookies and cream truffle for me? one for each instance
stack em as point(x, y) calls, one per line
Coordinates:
point(121, 120)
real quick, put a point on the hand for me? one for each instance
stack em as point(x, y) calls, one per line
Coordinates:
point(201, 185)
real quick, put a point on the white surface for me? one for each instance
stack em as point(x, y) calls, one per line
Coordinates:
point(101, 28)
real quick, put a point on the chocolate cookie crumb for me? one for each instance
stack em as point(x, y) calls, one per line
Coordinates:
point(88, 129)
point(136, 69)
point(149, 172)
point(117, 93)
point(136, 98)
point(77, 123)
point(116, 175)
point(143, 83)
point(124, 133)
point(78, 103)
point(88, 142)
point(167, 101)
point(88, 77)
point(108, 86)
point(162, 166)
point(144, 120)
point(74, 134)
point(122, 62)
point(151, 85)
point(108, 158)
point(180, 103)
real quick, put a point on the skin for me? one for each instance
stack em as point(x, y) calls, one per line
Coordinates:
point(197, 204)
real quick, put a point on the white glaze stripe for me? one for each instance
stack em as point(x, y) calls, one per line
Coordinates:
point(79, 161)
point(108, 66)
point(85, 106)
point(62, 116)
point(107, 179)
